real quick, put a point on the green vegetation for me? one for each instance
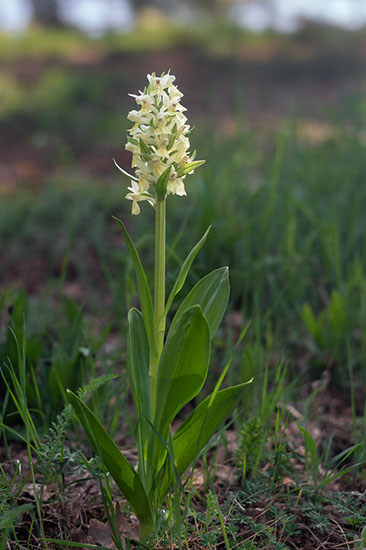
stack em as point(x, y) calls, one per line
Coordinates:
point(288, 213)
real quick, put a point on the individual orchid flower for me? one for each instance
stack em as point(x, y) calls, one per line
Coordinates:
point(145, 100)
point(158, 83)
point(136, 196)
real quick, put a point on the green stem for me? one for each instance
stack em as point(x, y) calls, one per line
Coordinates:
point(146, 530)
point(159, 295)
point(159, 282)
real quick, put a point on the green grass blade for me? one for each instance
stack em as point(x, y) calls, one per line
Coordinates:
point(17, 435)
point(73, 544)
point(7, 520)
point(337, 475)
point(310, 447)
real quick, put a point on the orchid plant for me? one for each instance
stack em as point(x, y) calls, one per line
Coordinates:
point(166, 368)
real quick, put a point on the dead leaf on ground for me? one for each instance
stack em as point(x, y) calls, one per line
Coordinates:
point(101, 533)
point(76, 535)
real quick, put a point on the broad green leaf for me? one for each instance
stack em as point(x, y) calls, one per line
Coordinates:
point(184, 270)
point(162, 184)
point(138, 373)
point(115, 462)
point(138, 362)
point(188, 167)
point(144, 292)
point(196, 431)
point(212, 294)
point(183, 366)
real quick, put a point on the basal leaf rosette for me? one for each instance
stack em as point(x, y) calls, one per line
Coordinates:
point(158, 142)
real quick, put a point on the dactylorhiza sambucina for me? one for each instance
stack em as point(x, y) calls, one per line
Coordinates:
point(158, 142)
point(167, 367)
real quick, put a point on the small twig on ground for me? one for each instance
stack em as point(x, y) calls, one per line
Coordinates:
point(342, 531)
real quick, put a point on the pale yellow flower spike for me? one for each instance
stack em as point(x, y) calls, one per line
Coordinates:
point(158, 140)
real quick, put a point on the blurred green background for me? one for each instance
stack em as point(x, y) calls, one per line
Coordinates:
point(278, 105)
